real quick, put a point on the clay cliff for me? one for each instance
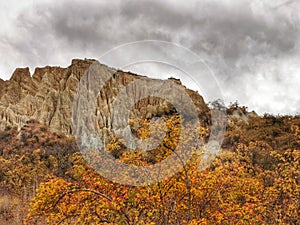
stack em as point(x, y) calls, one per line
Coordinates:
point(48, 96)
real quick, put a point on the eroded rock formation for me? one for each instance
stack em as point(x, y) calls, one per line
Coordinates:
point(48, 96)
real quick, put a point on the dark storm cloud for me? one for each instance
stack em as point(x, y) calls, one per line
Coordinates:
point(225, 28)
point(235, 38)
point(230, 29)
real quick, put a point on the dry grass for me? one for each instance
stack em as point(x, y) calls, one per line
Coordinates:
point(10, 210)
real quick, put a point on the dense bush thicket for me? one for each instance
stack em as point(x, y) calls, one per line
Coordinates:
point(255, 180)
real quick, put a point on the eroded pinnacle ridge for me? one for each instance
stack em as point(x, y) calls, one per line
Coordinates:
point(47, 96)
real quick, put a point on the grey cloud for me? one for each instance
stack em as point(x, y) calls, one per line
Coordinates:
point(228, 30)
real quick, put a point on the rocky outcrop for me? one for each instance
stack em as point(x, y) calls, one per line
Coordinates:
point(239, 113)
point(48, 97)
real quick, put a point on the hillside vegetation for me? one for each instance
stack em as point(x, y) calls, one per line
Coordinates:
point(255, 180)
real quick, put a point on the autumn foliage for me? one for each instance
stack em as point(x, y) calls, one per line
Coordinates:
point(255, 180)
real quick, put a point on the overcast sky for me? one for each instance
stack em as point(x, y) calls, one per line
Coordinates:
point(252, 46)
